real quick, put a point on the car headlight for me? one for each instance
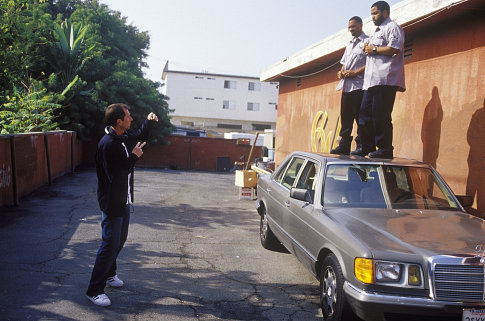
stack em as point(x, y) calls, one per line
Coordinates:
point(388, 272)
point(370, 271)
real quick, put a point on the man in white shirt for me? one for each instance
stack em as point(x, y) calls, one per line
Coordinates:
point(351, 77)
point(384, 75)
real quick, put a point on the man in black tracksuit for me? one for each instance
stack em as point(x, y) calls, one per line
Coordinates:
point(114, 168)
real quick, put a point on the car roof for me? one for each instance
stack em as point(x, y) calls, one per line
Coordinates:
point(359, 159)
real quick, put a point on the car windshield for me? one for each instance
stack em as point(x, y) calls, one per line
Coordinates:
point(385, 186)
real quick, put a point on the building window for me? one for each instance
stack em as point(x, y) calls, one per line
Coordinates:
point(229, 126)
point(197, 97)
point(187, 123)
point(256, 86)
point(227, 104)
point(253, 106)
point(211, 78)
point(231, 84)
point(261, 126)
point(199, 77)
point(209, 99)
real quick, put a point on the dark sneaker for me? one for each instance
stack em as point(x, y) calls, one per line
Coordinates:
point(341, 150)
point(359, 152)
point(101, 300)
point(381, 153)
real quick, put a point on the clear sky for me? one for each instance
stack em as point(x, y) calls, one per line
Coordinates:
point(236, 37)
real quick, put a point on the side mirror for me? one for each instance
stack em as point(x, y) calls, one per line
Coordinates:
point(465, 200)
point(302, 194)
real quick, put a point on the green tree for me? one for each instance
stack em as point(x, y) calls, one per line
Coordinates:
point(106, 69)
point(25, 105)
point(29, 110)
point(115, 71)
point(67, 52)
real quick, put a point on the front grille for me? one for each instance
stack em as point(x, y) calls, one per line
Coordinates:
point(462, 283)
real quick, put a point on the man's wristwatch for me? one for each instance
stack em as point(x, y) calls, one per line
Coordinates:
point(374, 50)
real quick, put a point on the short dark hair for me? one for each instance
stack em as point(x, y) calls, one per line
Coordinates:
point(115, 112)
point(382, 5)
point(356, 19)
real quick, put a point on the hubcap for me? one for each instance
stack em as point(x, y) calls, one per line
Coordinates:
point(329, 291)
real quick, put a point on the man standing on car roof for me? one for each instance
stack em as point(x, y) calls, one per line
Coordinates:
point(384, 75)
point(351, 77)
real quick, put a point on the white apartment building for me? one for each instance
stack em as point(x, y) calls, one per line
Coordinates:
point(220, 102)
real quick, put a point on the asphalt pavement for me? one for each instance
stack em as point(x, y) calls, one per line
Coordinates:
point(192, 253)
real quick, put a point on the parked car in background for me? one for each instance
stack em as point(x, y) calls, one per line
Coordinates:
point(387, 239)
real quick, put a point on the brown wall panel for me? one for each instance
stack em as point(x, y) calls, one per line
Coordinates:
point(175, 154)
point(31, 166)
point(198, 153)
point(59, 153)
point(298, 105)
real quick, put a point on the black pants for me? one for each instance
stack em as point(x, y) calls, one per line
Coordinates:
point(349, 111)
point(375, 121)
point(114, 231)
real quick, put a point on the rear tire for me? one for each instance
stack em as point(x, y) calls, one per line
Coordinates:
point(268, 240)
point(332, 297)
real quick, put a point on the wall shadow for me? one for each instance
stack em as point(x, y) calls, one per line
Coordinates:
point(431, 128)
point(476, 165)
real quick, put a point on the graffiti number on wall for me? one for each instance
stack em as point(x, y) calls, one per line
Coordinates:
point(5, 176)
point(321, 141)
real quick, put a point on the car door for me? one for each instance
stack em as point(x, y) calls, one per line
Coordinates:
point(279, 194)
point(303, 217)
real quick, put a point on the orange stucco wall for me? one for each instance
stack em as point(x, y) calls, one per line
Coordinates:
point(439, 119)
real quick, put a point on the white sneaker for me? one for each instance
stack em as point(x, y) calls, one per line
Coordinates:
point(101, 300)
point(114, 282)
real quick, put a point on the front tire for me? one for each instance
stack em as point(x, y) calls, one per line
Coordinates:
point(332, 297)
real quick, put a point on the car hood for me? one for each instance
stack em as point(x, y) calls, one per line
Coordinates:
point(424, 232)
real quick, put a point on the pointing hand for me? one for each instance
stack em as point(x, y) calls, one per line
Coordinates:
point(137, 150)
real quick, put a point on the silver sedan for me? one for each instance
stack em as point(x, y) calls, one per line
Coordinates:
point(386, 238)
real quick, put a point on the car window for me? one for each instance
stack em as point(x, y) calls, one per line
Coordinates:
point(292, 172)
point(353, 186)
point(381, 186)
point(280, 171)
point(307, 178)
point(416, 187)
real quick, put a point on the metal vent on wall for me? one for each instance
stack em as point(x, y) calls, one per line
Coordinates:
point(408, 49)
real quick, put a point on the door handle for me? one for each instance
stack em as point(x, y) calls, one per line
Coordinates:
point(268, 189)
point(287, 203)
